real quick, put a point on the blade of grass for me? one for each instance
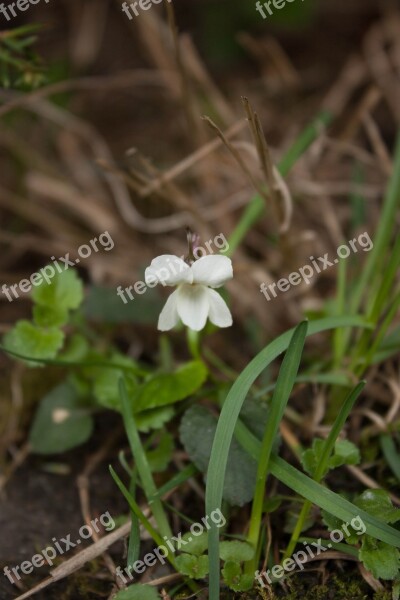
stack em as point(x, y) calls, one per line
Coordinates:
point(391, 454)
point(322, 465)
point(176, 481)
point(142, 464)
point(228, 420)
point(135, 508)
point(337, 378)
point(382, 236)
point(333, 503)
point(339, 340)
point(280, 398)
point(319, 495)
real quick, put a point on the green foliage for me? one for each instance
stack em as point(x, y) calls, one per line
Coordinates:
point(50, 316)
point(167, 388)
point(235, 578)
point(138, 592)
point(65, 291)
point(161, 456)
point(197, 432)
point(44, 338)
point(34, 341)
point(345, 453)
point(236, 551)
point(192, 566)
point(105, 386)
point(61, 422)
point(382, 560)
point(196, 545)
point(154, 419)
point(20, 66)
point(378, 504)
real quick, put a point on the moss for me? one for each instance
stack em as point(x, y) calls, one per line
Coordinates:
point(306, 587)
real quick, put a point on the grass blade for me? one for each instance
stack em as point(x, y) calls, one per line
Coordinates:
point(143, 467)
point(391, 454)
point(280, 398)
point(324, 460)
point(229, 418)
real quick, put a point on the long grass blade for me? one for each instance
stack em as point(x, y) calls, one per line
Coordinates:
point(228, 420)
point(280, 398)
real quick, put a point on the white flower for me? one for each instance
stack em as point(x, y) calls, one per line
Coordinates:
point(195, 300)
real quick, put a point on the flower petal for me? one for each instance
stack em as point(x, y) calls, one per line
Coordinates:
point(193, 305)
point(169, 315)
point(212, 270)
point(219, 313)
point(168, 270)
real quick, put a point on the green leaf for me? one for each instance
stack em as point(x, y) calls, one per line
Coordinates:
point(35, 342)
point(154, 419)
point(236, 551)
point(167, 388)
point(196, 545)
point(46, 316)
point(378, 504)
point(106, 383)
point(138, 592)
point(192, 566)
point(345, 453)
point(160, 457)
point(382, 560)
point(103, 305)
point(197, 430)
point(65, 291)
point(61, 422)
point(234, 577)
point(76, 349)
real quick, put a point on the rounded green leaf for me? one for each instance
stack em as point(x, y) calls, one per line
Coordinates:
point(61, 422)
point(382, 560)
point(65, 290)
point(235, 579)
point(30, 340)
point(192, 566)
point(46, 316)
point(236, 551)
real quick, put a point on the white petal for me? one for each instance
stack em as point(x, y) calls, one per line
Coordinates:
point(168, 270)
point(212, 270)
point(169, 315)
point(193, 305)
point(219, 313)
